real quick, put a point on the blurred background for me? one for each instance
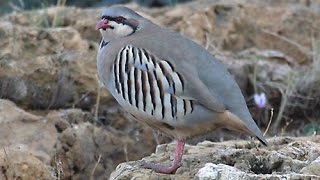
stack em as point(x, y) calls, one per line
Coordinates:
point(10, 5)
point(55, 116)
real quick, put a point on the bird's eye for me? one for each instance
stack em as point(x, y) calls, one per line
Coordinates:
point(120, 19)
point(104, 17)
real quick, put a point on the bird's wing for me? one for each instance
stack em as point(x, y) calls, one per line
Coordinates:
point(162, 74)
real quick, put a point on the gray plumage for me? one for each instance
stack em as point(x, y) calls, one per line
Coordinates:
point(169, 82)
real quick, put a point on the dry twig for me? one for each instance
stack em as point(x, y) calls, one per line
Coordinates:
point(94, 168)
point(270, 120)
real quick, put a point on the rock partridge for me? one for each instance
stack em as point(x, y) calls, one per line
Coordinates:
point(167, 81)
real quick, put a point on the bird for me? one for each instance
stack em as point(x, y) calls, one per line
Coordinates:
point(167, 81)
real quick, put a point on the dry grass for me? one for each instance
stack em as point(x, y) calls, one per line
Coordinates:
point(307, 88)
point(287, 90)
point(310, 82)
point(95, 167)
point(41, 18)
point(300, 93)
point(57, 19)
point(269, 124)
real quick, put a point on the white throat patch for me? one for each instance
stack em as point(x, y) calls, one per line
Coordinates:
point(119, 30)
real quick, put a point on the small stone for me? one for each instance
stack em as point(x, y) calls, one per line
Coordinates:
point(61, 125)
point(24, 167)
point(209, 171)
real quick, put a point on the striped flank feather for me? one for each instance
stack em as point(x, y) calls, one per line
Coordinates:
point(149, 84)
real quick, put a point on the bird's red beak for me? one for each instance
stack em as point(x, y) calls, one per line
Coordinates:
point(103, 24)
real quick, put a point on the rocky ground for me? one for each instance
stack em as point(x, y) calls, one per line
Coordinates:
point(52, 128)
point(285, 158)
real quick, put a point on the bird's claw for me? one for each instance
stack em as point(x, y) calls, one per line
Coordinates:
point(162, 168)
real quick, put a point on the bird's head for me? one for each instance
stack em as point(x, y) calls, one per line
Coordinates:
point(117, 22)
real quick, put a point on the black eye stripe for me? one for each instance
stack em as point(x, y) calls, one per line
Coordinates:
point(108, 17)
point(115, 19)
point(132, 23)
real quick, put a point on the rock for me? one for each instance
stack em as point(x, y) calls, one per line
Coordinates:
point(209, 171)
point(47, 68)
point(18, 163)
point(9, 113)
point(224, 172)
point(27, 144)
point(313, 168)
point(66, 118)
point(20, 129)
point(68, 143)
point(230, 26)
point(283, 158)
point(84, 146)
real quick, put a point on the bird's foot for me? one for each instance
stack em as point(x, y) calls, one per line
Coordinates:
point(175, 164)
point(162, 168)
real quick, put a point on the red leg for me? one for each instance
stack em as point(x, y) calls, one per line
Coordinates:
point(175, 164)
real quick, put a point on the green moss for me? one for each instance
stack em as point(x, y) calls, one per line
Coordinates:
point(311, 129)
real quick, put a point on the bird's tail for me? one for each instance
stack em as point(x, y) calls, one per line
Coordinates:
point(252, 129)
point(262, 140)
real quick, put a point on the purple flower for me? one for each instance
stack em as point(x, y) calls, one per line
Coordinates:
point(260, 100)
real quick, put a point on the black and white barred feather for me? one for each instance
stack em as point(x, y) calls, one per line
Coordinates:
point(149, 84)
